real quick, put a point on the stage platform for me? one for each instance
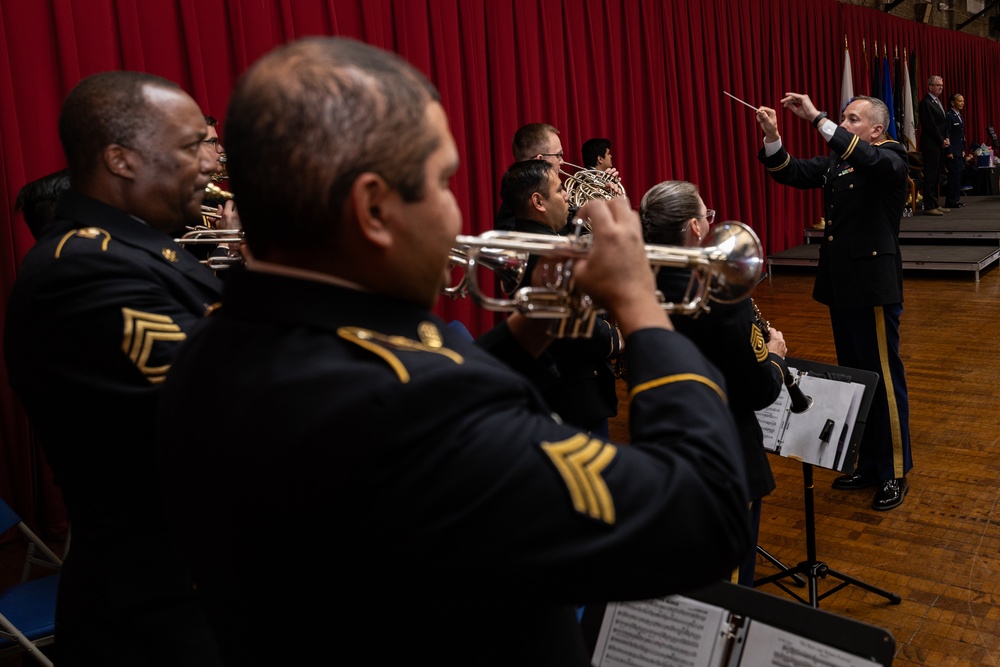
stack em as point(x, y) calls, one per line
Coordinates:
point(966, 239)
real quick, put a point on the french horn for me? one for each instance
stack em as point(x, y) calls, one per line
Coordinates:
point(583, 184)
point(725, 269)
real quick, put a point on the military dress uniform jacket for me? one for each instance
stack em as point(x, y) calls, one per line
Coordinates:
point(97, 312)
point(464, 522)
point(732, 337)
point(956, 139)
point(587, 390)
point(864, 190)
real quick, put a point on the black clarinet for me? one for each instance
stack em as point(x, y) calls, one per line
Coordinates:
point(800, 402)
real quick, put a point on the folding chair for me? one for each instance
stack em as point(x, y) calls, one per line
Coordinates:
point(28, 608)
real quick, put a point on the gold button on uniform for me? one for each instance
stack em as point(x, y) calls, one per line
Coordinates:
point(830, 237)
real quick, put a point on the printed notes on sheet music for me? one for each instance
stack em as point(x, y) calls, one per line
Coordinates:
point(677, 630)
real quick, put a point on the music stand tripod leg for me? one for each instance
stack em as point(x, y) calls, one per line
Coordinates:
point(815, 569)
point(799, 581)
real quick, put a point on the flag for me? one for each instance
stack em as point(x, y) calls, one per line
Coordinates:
point(876, 76)
point(897, 95)
point(847, 83)
point(887, 96)
point(866, 80)
point(909, 120)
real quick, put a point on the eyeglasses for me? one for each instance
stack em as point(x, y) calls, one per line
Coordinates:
point(709, 216)
point(558, 155)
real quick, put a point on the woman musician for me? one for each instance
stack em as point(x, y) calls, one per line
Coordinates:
point(750, 355)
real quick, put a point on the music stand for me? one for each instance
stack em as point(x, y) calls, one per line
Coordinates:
point(813, 568)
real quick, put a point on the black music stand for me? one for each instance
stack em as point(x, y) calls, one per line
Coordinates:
point(812, 568)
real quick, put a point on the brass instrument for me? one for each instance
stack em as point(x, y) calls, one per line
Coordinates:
point(208, 213)
point(207, 234)
point(223, 173)
point(584, 184)
point(800, 402)
point(725, 270)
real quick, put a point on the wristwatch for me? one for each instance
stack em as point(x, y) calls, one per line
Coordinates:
point(821, 116)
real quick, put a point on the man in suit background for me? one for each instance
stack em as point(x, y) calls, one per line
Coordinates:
point(933, 142)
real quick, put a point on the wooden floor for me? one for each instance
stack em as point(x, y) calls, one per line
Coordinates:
point(939, 551)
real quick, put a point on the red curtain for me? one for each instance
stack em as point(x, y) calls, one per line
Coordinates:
point(648, 74)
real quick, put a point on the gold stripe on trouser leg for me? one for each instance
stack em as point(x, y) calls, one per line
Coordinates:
point(890, 394)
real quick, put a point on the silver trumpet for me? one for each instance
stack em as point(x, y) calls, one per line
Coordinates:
point(725, 270)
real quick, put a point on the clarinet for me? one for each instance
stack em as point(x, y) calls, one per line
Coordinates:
point(800, 402)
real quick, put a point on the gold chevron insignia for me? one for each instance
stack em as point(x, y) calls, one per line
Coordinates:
point(757, 343)
point(142, 332)
point(580, 461)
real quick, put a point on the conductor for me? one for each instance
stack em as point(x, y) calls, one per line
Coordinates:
point(860, 275)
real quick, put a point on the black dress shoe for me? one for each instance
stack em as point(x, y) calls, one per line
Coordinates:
point(891, 493)
point(958, 205)
point(853, 482)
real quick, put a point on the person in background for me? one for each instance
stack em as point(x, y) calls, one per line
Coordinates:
point(956, 150)
point(37, 199)
point(96, 315)
point(466, 516)
point(534, 141)
point(750, 354)
point(597, 154)
point(934, 142)
point(860, 275)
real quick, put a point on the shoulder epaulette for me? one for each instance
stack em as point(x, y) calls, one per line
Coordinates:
point(87, 233)
point(386, 346)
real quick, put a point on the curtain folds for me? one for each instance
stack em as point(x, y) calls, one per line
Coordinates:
point(647, 74)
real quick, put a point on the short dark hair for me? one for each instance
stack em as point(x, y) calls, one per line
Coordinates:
point(107, 108)
point(210, 120)
point(529, 140)
point(665, 210)
point(521, 180)
point(37, 200)
point(593, 149)
point(306, 120)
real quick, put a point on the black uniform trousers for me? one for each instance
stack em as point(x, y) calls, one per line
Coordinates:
point(868, 338)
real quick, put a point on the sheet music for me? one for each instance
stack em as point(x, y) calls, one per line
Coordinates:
point(671, 631)
point(768, 646)
point(797, 436)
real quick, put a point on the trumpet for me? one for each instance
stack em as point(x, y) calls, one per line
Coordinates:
point(725, 270)
point(585, 184)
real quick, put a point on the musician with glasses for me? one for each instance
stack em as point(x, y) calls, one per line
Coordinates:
point(537, 141)
point(466, 522)
point(750, 354)
point(860, 274)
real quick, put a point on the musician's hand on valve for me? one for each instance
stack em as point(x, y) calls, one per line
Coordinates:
point(616, 273)
point(228, 217)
